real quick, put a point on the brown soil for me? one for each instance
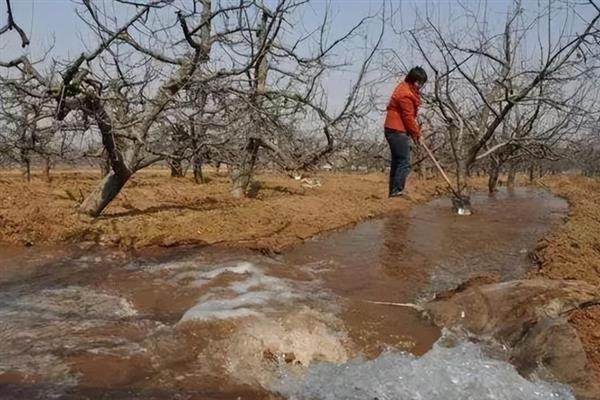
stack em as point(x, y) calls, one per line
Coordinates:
point(572, 251)
point(156, 210)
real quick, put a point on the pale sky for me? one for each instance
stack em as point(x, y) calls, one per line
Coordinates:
point(55, 21)
point(44, 20)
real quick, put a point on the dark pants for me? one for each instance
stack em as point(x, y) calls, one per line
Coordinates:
point(400, 167)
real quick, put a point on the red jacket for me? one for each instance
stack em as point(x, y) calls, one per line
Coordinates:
point(402, 110)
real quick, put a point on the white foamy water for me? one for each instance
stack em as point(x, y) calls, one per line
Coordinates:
point(37, 328)
point(457, 373)
point(72, 301)
point(241, 267)
point(278, 320)
point(240, 306)
point(251, 293)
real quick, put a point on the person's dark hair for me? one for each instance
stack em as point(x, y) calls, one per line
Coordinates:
point(416, 74)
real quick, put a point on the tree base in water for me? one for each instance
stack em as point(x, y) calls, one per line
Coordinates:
point(462, 205)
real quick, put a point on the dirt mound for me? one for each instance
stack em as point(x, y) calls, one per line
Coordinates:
point(529, 317)
point(572, 251)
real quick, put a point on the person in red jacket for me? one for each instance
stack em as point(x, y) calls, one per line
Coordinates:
point(401, 125)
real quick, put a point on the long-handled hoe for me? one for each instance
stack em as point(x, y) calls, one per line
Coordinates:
point(460, 204)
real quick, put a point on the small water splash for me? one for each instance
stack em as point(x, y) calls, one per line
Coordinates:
point(258, 348)
point(461, 372)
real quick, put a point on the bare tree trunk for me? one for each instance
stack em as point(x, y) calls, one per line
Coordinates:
point(26, 164)
point(493, 176)
point(119, 171)
point(104, 166)
point(512, 175)
point(176, 169)
point(241, 177)
point(531, 172)
point(462, 178)
point(197, 166)
point(461, 159)
point(47, 167)
point(104, 193)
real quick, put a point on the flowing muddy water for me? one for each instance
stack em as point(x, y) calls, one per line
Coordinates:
point(218, 323)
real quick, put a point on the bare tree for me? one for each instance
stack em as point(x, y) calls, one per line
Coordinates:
point(28, 128)
point(217, 81)
point(286, 90)
point(106, 86)
point(483, 80)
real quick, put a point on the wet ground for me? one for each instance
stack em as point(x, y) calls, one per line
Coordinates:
point(221, 323)
point(396, 259)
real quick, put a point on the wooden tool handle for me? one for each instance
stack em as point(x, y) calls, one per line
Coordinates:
point(439, 167)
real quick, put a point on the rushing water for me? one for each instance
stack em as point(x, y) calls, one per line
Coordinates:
point(222, 323)
point(459, 372)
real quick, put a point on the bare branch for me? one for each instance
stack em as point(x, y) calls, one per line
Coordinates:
point(11, 24)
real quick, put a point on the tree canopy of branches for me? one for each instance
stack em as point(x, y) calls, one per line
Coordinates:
point(498, 99)
point(214, 80)
point(246, 84)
